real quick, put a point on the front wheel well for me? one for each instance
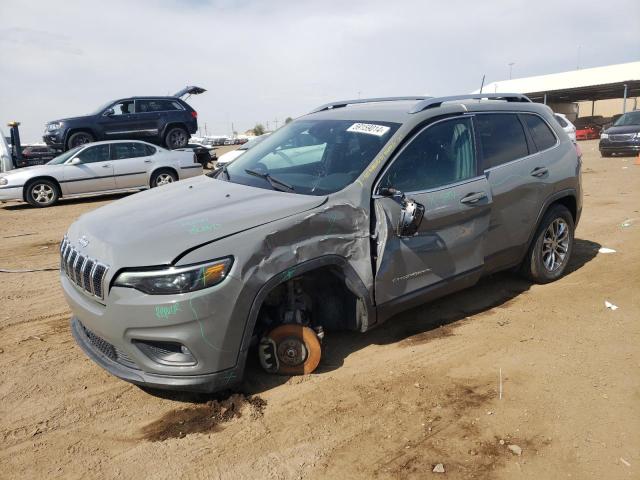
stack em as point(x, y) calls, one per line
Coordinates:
point(568, 201)
point(322, 295)
point(71, 131)
point(31, 181)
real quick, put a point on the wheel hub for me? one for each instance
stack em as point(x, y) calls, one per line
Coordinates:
point(292, 352)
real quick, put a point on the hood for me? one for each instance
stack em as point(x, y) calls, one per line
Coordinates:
point(156, 226)
point(39, 168)
point(82, 118)
point(623, 129)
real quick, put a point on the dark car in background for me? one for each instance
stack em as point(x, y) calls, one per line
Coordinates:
point(165, 121)
point(36, 155)
point(623, 136)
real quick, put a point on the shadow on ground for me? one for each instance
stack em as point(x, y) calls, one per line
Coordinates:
point(436, 319)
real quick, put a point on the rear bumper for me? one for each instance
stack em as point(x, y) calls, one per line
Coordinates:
point(199, 383)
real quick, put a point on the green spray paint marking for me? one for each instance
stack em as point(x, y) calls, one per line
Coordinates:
point(288, 275)
point(164, 311)
point(195, 317)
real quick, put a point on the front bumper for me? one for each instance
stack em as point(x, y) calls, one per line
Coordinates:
point(10, 193)
point(628, 146)
point(200, 383)
point(54, 139)
point(209, 323)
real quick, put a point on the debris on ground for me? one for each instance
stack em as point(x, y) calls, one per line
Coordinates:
point(606, 250)
point(439, 468)
point(625, 462)
point(626, 223)
point(515, 449)
point(610, 305)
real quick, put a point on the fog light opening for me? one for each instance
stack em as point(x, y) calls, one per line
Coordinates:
point(166, 353)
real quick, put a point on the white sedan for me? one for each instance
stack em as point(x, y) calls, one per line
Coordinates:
point(566, 125)
point(98, 168)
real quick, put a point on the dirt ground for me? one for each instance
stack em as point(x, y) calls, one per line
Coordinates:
point(421, 390)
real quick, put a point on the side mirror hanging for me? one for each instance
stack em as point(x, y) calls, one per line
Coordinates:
point(411, 217)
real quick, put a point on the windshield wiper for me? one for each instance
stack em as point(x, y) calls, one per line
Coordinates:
point(274, 182)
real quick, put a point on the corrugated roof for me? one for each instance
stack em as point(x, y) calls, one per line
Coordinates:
point(587, 77)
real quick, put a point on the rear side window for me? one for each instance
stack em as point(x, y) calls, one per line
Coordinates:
point(128, 150)
point(542, 135)
point(150, 150)
point(146, 106)
point(99, 153)
point(561, 121)
point(441, 154)
point(502, 138)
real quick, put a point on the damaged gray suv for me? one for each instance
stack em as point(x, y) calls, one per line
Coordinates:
point(337, 221)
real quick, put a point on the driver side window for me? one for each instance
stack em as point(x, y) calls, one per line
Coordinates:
point(99, 153)
point(123, 108)
point(439, 155)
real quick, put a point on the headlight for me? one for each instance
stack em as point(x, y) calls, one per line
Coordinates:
point(54, 126)
point(176, 279)
point(604, 135)
point(3, 181)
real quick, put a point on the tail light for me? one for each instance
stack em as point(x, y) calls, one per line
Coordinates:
point(194, 114)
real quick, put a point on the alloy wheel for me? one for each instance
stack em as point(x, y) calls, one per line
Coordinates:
point(164, 179)
point(178, 138)
point(555, 245)
point(42, 193)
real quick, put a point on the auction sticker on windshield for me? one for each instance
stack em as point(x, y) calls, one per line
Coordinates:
point(370, 128)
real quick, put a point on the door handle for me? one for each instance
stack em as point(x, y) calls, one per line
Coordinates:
point(147, 161)
point(474, 197)
point(539, 171)
point(108, 165)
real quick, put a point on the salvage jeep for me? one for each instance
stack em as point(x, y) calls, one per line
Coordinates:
point(337, 221)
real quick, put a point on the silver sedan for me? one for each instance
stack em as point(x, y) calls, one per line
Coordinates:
point(98, 168)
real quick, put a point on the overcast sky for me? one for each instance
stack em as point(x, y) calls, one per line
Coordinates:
point(266, 60)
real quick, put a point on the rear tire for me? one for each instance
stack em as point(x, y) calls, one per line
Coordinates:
point(176, 137)
point(42, 193)
point(163, 177)
point(79, 138)
point(552, 245)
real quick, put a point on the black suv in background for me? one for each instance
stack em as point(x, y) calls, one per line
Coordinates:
point(168, 121)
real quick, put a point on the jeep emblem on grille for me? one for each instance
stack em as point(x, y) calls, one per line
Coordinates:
point(83, 242)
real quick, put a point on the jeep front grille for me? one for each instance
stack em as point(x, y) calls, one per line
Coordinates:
point(85, 272)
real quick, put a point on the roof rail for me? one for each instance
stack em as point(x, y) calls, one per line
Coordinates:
point(437, 101)
point(344, 103)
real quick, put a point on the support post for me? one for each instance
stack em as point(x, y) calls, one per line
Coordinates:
point(624, 101)
point(593, 107)
point(545, 99)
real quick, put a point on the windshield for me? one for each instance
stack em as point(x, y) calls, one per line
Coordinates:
point(65, 156)
point(102, 107)
point(313, 157)
point(631, 118)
